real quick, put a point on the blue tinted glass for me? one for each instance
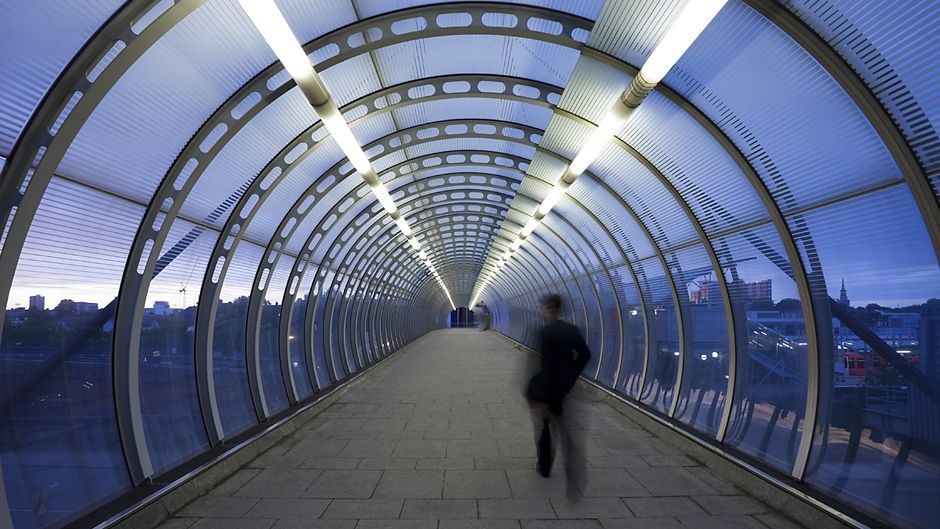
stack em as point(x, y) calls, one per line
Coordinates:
point(705, 369)
point(170, 405)
point(770, 384)
point(274, 392)
point(879, 448)
point(269, 349)
point(59, 444)
point(236, 410)
point(604, 361)
point(295, 338)
point(662, 363)
point(630, 365)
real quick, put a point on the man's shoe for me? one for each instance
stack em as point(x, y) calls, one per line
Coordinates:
point(545, 472)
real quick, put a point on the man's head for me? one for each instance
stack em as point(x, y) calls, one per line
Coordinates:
point(549, 306)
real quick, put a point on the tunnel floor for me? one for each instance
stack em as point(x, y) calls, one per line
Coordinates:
point(440, 437)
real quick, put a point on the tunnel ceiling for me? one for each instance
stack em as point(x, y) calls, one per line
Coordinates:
point(159, 151)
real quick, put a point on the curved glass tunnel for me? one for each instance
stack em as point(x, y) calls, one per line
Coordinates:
point(187, 252)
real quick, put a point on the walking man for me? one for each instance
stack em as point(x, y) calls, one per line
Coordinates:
point(564, 356)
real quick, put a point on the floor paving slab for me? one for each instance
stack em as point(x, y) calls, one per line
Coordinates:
point(440, 509)
point(440, 437)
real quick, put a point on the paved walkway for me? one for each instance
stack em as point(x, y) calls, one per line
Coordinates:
point(441, 438)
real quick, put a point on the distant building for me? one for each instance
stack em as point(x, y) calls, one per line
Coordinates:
point(708, 292)
point(37, 302)
point(82, 307)
point(162, 308)
point(843, 295)
point(759, 290)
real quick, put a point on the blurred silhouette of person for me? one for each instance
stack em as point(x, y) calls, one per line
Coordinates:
point(564, 354)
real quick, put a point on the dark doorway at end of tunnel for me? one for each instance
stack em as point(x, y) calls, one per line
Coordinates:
point(461, 317)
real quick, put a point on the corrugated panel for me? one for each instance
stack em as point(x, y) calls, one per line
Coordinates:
point(283, 197)
point(593, 88)
point(142, 124)
point(596, 235)
point(893, 46)
point(630, 29)
point(77, 246)
point(646, 195)
point(493, 54)
point(351, 79)
point(312, 18)
point(567, 233)
point(628, 234)
point(231, 171)
point(36, 48)
point(696, 165)
point(583, 8)
point(807, 140)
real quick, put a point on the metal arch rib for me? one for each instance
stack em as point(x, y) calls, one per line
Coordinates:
point(37, 154)
point(72, 80)
point(341, 270)
point(311, 306)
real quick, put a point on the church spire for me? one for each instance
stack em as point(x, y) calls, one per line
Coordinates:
point(843, 295)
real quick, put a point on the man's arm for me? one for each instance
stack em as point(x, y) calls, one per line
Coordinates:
point(584, 354)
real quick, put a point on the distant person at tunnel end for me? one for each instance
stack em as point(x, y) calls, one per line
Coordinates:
point(564, 354)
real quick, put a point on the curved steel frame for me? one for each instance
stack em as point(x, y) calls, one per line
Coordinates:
point(37, 147)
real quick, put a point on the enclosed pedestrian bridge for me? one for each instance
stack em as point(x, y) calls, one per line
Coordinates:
point(237, 235)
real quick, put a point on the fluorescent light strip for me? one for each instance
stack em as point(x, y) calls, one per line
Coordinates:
point(687, 27)
point(681, 34)
point(270, 22)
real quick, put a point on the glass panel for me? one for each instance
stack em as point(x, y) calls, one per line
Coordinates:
point(320, 344)
point(633, 331)
point(169, 399)
point(610, 354)
point(298, 353)
point(268, 345)
point(880, 444)
point(770, 383)
point(662, 363)
point(705, 371)
point(59, 443)
point(228, 345)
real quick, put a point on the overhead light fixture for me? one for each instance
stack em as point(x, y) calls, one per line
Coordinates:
point(553, 197)
point(599, 138)
point(269, 20)
point(529, 227)
point(384, 198)
point(336, 124)
point(403, 226)
point(680, 35)
point(266, 16)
